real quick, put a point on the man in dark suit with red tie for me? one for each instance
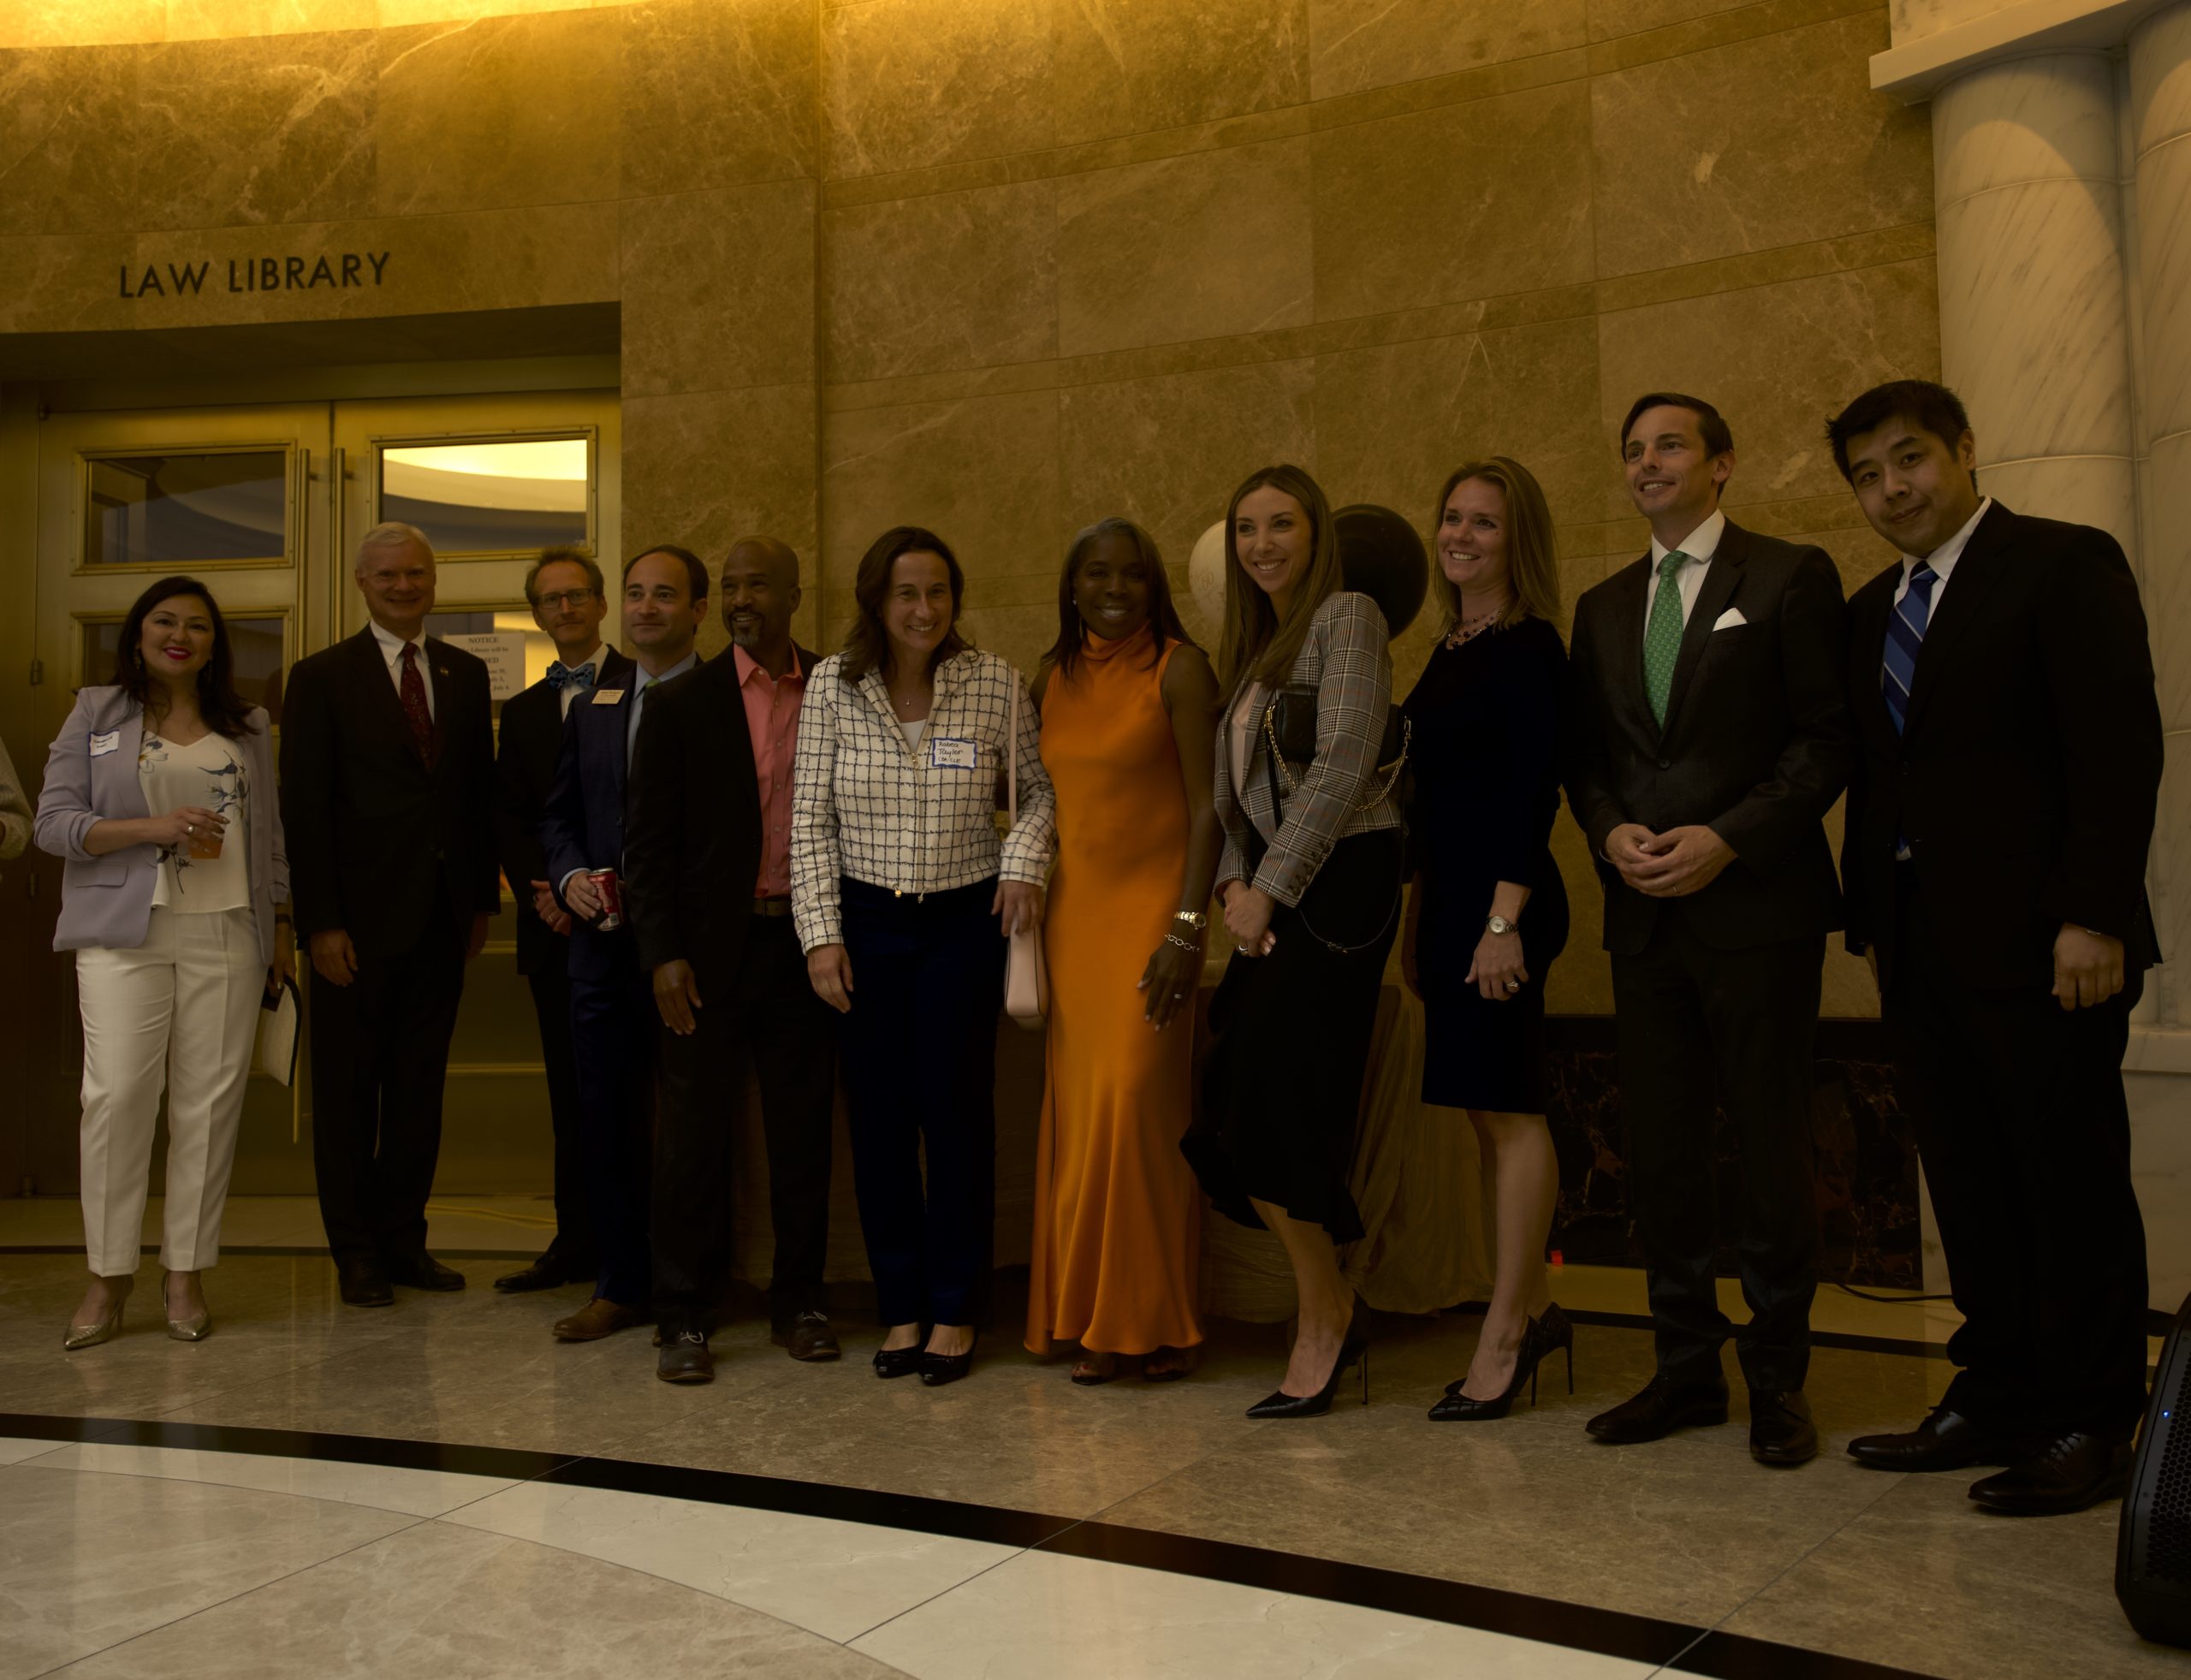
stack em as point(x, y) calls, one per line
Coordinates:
point(2009, 763)
point(1710, 737)
point(612, 1021)
point(388, 802)
point(569, 599)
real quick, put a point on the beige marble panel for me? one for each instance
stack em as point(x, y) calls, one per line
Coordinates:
point(1392, 422)
point(1685, 171)
point(2050, 118)
point(2160, 79)
point(1124, 66)
point(231, 132)
point(1777, 361)
point(67, 119)
point(718, 289)
point(63, 283)
point(499, 112)
point(721, 93)
point(439, 1602)
point(705, 469)
point(2166, 580)
point(1187, 247)
point(479, 260)
point(1167, 451)
point(2164, 281)
point(227, 19)
point(1363, 44)
point(953, 280)
point(982, 473)
point(1472, 201)
point(1610, 19)
point(906, 84)
point(46, 23)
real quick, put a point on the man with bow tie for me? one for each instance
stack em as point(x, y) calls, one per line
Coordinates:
point(569, 600)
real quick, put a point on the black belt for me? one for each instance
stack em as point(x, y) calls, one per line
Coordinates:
point(772, 907)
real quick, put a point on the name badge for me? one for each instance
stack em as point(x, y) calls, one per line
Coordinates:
point(607, 697)
point(947, 752)
point(103, 744)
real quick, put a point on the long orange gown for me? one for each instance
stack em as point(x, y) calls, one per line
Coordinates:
point(1117, 1213)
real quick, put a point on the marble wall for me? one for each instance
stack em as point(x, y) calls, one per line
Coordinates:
point(1005, 266)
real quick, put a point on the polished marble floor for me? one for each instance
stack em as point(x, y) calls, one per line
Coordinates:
point(441, 1488)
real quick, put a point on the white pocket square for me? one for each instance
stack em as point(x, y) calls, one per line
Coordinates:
point(1728, 620)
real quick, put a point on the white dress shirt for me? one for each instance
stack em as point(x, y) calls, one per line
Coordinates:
point(1942, 560)
point(391, 649)
point(1700, 545)
point(570, 691)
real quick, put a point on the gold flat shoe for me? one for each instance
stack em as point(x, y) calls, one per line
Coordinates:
point(196, 1328)
point(90, 1335)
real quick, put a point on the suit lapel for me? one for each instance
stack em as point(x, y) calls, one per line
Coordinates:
point(1867, 624)
point(436, 655)
point(381, 699)
point(1624, 654)
point(1980, 566)
point(1721, 579)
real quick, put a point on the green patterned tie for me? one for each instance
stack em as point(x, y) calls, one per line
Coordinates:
point(1662, 636)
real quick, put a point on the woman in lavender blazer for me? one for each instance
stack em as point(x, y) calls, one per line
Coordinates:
point(159, 797)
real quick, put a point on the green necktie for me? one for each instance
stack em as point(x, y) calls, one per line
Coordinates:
point(1662, 636)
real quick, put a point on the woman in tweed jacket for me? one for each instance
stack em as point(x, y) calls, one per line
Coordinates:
point(1309, 881)
point(901, 892)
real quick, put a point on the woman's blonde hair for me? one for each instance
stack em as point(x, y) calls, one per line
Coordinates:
point(1256, 641)
point(1531, 563)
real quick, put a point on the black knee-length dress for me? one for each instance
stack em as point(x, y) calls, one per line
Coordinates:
point(1485, 718)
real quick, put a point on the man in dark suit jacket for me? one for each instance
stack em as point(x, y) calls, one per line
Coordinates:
point(1710, 737)
point(709, 890)
point(569, 599)
point(2008, 763)
point(612, 1020)
point(387, 800)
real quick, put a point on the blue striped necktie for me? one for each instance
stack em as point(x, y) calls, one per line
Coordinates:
point(1905, 634)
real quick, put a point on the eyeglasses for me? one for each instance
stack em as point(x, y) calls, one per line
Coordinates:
point(575, 597)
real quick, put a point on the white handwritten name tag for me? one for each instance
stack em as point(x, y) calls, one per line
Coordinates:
point(103, 744)
point(946, 752)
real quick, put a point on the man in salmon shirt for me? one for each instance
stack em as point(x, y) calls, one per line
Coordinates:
point(729, 977)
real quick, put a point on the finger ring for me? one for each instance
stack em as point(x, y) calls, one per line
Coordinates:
point(1242, 949)
point(190, 828)
point(1513, 985)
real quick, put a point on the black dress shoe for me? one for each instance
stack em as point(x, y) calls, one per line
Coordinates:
point(1945, 1440)
point(1780, 1427)
point(1353, 1350)
point(2067, 1474)
point(938, 1369)
point(897, 1362)
point(550, 1271)
point(809, 1336)
point(363, 1284)
point(1661, 1408)
point(684, 1358)
point(423, 1271)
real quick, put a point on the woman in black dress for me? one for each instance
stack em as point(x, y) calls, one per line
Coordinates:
point(1488, 912)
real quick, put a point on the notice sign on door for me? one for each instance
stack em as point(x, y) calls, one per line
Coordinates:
point(503, 650)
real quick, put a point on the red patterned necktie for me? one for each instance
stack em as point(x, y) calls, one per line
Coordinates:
point(413, 689)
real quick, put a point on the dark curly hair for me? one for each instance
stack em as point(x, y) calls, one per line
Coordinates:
point(867, 645)
point(225, 711)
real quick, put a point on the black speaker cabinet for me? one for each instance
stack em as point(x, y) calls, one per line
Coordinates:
point(2153, 1550)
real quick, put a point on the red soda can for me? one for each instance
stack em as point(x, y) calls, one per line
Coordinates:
point(612, 898)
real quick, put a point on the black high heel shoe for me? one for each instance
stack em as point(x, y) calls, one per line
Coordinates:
point(900, 1361)
point(1539, 1337)
point(938, 1369)
point(1353, 1350)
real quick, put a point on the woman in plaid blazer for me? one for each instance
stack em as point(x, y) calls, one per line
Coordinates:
point(902, 894)
point(1310, 883)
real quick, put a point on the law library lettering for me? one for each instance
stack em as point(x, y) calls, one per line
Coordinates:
point(1574, 614)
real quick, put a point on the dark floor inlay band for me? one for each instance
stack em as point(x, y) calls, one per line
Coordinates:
point(1577, 1627)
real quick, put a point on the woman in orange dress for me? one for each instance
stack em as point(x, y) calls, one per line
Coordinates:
point(1127, 704)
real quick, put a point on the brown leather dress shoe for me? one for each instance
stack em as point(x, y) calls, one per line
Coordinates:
point(1658, 1410)
point(599, 1317)
point(2067, 1474)
point(1945, 1440)
point(422, 1271)
point(684, 1358)
point(809, 1336)
point(1780, 1427)
point(550, 1271)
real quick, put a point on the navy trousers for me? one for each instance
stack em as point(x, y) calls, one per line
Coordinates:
point(919, 1056)
point(613, 1022)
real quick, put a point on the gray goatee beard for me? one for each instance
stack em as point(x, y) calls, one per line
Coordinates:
point(748, 639)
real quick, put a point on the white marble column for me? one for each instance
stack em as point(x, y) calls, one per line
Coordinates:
point(2159, 142)
point(2034, 326)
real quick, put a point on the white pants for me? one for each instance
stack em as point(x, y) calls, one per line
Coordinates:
point(182, 1010)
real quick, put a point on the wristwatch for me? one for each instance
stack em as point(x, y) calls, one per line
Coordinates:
point(1498, 924)
point(1193, 918)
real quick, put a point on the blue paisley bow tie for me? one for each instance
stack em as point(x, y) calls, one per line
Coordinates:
point(561, 676)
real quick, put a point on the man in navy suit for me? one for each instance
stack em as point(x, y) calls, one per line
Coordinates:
point(612, 997)
point(2008, 768)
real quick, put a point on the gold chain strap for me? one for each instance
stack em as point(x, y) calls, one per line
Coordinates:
point(1391, 772)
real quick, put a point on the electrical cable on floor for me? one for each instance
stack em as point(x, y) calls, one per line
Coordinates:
point(1887, 1300)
